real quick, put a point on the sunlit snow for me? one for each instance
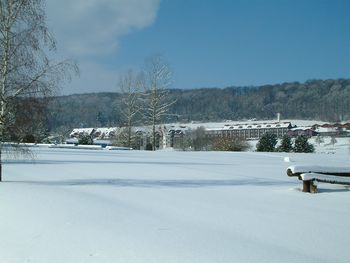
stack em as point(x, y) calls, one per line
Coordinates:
point(136, 206)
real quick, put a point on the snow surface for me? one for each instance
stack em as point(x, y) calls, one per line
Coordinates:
point(189, 207)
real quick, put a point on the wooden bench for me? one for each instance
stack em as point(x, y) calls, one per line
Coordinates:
point(310, 175)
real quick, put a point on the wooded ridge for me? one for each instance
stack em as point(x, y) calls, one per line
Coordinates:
point(326, 100)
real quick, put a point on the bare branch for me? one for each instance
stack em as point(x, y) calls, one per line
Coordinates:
point(156, 90)
point(25, 69)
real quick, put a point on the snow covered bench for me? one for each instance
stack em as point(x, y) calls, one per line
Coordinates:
point(312, 174)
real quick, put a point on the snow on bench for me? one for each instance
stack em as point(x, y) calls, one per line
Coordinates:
point(332, 170)
point(312, 174)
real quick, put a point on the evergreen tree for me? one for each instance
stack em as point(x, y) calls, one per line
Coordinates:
point(286, 144)
point(267, 143)
point(85, 140)
point(301, 145)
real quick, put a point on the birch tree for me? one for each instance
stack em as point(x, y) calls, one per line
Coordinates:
point(130, 86)
point(157, 81)
point(25, 68)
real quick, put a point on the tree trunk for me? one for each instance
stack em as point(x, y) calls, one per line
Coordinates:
point(154, 137)
point(306, 186)
point(129, 134)
point(0, 163)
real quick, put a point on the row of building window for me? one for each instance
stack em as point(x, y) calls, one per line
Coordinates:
point(247, 133)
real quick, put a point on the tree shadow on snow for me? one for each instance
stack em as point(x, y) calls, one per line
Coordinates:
point(156, 183)
point(47, 162)
point(333, 190)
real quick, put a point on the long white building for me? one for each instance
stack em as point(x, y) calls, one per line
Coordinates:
point(250, 130)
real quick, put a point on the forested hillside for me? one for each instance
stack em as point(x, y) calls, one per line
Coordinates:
point(327, 100)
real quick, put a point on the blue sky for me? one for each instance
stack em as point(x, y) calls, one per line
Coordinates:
point(208, 43)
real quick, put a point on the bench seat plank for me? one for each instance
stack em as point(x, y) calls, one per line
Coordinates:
point(326, 170)
point(325, 178)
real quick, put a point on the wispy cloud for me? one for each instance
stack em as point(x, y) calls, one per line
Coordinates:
point(90, 29)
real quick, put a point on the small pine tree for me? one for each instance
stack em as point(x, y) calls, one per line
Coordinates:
point(286, 144)
point(85, 140)
point(301, 145)
point(149, 147)
point(29, 138)
point(267, 143)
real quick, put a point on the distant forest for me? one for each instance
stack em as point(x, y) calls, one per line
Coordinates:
point(326, 100)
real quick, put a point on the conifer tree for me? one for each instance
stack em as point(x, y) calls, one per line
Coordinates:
point(267, 143)
point(286, 144)
point(301, 145)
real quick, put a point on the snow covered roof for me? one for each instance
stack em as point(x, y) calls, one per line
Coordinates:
point(81, 131)
point(178, 129)
point(326, 129)
point(301, 128)
point(252, 126)
point(105, 132)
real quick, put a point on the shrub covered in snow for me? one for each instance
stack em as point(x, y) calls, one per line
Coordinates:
point(29, 138)
point(230, 144)
point(267, 143)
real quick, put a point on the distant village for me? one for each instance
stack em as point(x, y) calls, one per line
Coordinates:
point(173, 135)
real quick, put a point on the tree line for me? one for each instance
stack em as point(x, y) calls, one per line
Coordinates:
point(326, 100)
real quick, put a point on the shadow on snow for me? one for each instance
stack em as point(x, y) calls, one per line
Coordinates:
point(26, 162)
point(156, 183)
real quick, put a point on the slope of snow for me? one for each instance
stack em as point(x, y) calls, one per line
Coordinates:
point(135, 206)
point(342, 145)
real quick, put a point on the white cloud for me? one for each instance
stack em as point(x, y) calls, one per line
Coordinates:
point(87, 30)
point(93, 27)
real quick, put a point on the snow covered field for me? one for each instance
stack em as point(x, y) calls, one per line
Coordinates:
point(86, 206)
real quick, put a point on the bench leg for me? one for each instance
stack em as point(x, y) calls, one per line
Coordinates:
point(306, 186)
point(313, 187)
point(309, 186)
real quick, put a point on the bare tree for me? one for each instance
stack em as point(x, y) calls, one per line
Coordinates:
point(319, 139)
point(26, 70)
point(130, 86)
point(28, 125)
point(333, 140)
point(199, 139)
point(157, 81)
